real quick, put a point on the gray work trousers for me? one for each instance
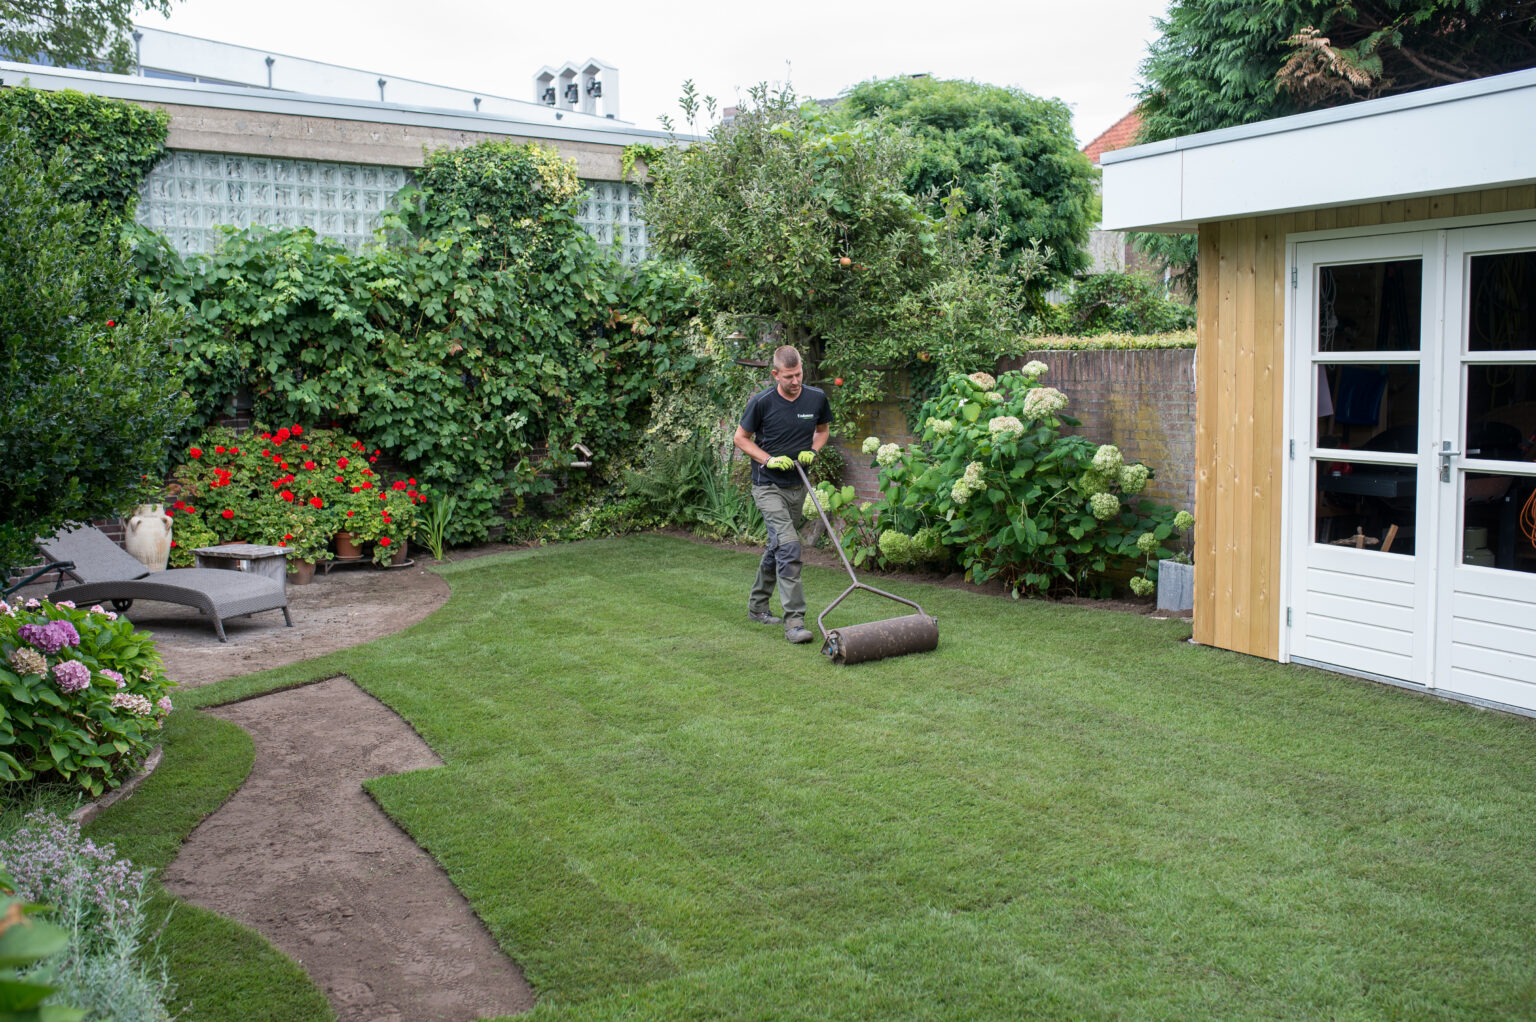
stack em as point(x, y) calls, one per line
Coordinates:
point(781, 561)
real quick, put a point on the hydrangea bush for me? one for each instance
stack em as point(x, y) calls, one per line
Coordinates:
point(995, 484)
point(82, 694)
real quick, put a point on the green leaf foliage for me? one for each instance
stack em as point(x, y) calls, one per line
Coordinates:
point(88, 738)
point(1220, 63)
point(994, 485)
point(90, 34)
point(108, 146)
point(88, 396)
point(1004, 149)
point(489, 330)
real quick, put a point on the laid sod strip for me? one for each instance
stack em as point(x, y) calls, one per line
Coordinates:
point(663, 811)
point(222, 970)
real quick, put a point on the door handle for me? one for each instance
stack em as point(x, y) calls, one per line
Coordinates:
point(1446, 454)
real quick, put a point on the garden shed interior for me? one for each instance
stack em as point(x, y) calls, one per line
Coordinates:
point(1366, 378)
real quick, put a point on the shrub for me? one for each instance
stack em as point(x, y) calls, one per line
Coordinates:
point(82, 694)
point(88, 402)
point(1126, 303)
point(997, 484)
point(100, 901)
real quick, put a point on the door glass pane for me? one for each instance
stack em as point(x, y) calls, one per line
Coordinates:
point(1503, 312)
point(1369, 306)
point(1368, 407)
point(1501, 412)
point(1373, 507)
point(1498, 524)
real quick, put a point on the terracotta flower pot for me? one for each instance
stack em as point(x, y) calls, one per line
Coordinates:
point(301, 573)
point(398, 552)
point(346, 550)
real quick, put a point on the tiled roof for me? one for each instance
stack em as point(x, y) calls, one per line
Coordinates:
point(1119, 135)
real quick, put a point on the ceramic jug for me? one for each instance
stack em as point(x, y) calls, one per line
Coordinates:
point(149, 536)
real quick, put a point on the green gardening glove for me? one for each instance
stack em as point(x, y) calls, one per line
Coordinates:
point(806, 457)
point(782, 463)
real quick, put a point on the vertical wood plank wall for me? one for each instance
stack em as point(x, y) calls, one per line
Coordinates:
point(1240, 435)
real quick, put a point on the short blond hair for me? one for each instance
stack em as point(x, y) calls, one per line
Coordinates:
point(786, 356)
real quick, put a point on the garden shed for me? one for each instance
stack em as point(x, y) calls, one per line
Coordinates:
point(1366, 378)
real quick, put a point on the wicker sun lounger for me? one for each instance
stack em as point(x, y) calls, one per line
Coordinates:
point(107, 572)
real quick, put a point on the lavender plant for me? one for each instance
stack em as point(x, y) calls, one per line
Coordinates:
point(108, 968)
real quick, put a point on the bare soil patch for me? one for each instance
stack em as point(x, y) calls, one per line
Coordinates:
point(302, 854)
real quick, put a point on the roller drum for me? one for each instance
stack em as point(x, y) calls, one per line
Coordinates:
point(897, 636)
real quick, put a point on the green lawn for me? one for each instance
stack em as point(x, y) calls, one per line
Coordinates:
point(662, 811)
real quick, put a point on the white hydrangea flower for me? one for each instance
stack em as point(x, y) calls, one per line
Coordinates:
point(1183, 520)
point(973, 473)
point(888, 455)
point(1104, 506)
point(983, 380)
point(1005, 428)
point(941, 427)
point(960, 493)
point(1133, 478)
point(871, 444)
point(1142, 586)
point(1091, 483)
point(1043, 401)
point(1034, 369)
point(1108, 459)
point(995, 398)
point(1146, 543)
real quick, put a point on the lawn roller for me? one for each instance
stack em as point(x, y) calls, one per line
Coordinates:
point(855, 644)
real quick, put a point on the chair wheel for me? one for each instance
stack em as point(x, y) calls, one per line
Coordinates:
point(121, 605)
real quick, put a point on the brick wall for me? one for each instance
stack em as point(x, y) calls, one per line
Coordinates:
point(1143, 401)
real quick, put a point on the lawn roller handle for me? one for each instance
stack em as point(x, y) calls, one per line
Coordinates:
point(829, 644)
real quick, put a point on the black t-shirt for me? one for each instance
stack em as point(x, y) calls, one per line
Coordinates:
point(784, 427)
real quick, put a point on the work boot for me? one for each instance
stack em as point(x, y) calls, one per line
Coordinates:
point(795, 631)
point(763, 617)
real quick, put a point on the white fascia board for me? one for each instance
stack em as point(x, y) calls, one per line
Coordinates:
point(1461, 137)
point(597, 130)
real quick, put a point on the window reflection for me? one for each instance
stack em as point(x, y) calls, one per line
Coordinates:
point(1501, 412)
point(1499, 521)
point(1369, 306)
point(1368, 407)
point(1371, 507)
point(1503, 316)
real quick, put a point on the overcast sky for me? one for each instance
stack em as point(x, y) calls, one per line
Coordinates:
point(1084, 52)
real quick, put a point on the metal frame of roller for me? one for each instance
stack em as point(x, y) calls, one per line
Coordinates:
point(877, 640)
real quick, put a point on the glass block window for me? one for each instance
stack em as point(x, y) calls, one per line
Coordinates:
point(611, 212)
point(189, 195)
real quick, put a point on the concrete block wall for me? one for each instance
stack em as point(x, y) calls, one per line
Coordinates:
point(1143, 401)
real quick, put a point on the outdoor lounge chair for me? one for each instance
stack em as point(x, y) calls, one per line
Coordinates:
point(107, 572)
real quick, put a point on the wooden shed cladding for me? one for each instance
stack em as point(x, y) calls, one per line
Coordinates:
point(1240, 433)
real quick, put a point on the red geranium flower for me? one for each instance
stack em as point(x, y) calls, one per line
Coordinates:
point(339, 479)
point(190, 509)
point(316, 502)
point(111, 322)
point(219, 449)
point(341, 462)
point(287, 495)
point(297, 431)
point(309, 465)
point(351, 513)
point(303, 447)
point(234, 450)
point(373, 459)
point(281, 543)
point(383, 496)
point(227, 513)
point(288, 535)
point(173, 542)
point(196, 452)
point(368, 486)
point(412, 482)
point(356, 488)
point(383, 541)
point(169, 513)
point(179, 503)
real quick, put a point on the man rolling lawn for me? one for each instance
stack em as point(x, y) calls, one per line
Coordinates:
point(786, 423)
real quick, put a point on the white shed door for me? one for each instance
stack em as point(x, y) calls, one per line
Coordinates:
point(1485, 615)
point(1412, 521)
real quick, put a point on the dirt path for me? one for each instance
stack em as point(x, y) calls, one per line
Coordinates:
point(303, 855)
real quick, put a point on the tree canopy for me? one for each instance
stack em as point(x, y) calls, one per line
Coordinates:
point(72, 33)
point(1225, 62)
point(1009, 153)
